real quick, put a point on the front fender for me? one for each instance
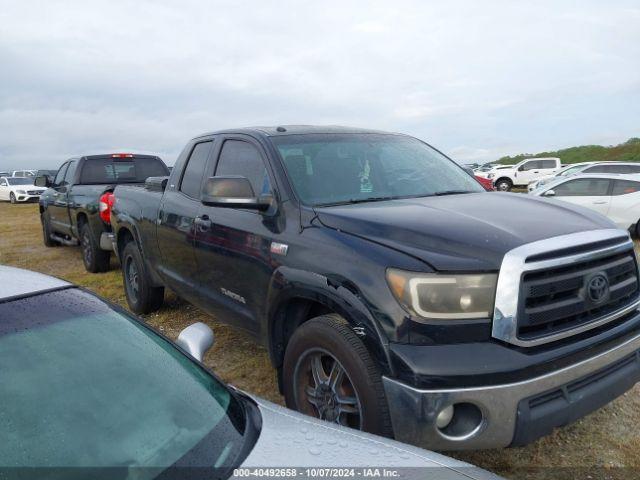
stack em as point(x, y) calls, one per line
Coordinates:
point(337, 294)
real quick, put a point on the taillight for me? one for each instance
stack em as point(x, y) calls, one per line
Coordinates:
point(105, 205)
point(122, 155)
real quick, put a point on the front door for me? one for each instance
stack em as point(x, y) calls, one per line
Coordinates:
point(176, 223)
point(233, 244)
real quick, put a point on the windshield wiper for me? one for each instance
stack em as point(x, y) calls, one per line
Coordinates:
point(352, 201)
point(452, 192)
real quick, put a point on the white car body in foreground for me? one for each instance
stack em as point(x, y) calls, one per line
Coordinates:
point(79, 365)
point(612, 195)
point(19, 189)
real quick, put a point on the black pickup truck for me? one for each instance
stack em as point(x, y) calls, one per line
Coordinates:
point(73, 208)
point(393, 293)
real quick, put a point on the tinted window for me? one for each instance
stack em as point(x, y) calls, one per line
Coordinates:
point(610, 169)
point(86, 387)
point(242, 158)
point(583, 187)
point(115, 170)
point(633, 168)
point(191, 183)
point(71, 171)
point(342, 168)
point(622, 187)
point(532, 165)
point(60, 174)
point(547, 164)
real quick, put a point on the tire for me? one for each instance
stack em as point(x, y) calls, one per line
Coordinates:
point(94, 258)
point(142, 296)
point(12, 198)
point(637, 229)
point(504, 185)
point(46, 232)
point(327, 344)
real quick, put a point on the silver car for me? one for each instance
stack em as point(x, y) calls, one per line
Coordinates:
point(89, 391)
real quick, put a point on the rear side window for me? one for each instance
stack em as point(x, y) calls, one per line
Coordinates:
point(71, 171)
point(548, 164)
point(622, 187)
point(60, 174)
point(130, 170)
point(194, 171)
point(612, 169)
point(583, 187)
point(242, 158)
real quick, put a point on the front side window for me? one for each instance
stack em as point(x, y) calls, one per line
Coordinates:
point(583, 187)
point(329, 169)
point(85, 387)
point(242, 158)
point(191, 182)
point(532, 165)
point(71, 170)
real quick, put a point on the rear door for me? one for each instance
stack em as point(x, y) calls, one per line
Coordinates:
point(547, 167)
point(625, 203)
point(593, 193)
point(4, 189)
point(233, 251)
point(56, 199)
point(176, 230)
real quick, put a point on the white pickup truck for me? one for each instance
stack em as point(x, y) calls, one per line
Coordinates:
point(523, 173)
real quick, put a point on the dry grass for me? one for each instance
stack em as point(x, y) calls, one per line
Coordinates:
point(596, 445)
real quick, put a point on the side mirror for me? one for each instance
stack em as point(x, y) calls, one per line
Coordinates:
point(42, 181)
point(196, 339)
point(549, 193)
point(233, 191)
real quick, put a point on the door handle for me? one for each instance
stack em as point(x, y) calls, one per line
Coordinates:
point(203, 223)
point(599, 203)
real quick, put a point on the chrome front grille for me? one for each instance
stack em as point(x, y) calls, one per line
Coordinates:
point(547, 289)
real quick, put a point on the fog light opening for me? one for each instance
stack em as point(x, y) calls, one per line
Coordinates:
point(464, 421)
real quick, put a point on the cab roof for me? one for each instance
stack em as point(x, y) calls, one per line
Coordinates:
point(282, 130)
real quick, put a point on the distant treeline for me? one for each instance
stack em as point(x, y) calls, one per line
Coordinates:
point(628, 151)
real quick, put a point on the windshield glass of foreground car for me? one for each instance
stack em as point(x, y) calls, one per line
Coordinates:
point(108, 170)
point(330, 169)
point(89, 393)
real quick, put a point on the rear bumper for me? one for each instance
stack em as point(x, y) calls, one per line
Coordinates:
point(107, 242)
point(516, 413)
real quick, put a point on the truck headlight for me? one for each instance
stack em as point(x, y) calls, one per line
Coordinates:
point(21, 192)
point(443, 296)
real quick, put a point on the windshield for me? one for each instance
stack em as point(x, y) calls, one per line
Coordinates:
point(110, 170)
point(20, 181)
point(85, 387)
point(327, 169)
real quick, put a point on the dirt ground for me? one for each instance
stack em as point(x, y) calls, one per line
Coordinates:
point(606, 444)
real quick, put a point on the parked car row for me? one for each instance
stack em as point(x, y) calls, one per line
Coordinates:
point(393, 293)
point(19, 189)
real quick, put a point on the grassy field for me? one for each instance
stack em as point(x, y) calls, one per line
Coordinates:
point(596, 445)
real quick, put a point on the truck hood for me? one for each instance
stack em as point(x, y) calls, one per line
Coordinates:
point(461, 232)
point(290, 439)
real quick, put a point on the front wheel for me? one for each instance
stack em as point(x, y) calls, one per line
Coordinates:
point(12, 198)
point(142, 296)
point(94, 258)
point(329, 374)
point(504, 185)
point(46, 232)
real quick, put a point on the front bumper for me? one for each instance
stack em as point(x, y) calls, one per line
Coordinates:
point(516, 413)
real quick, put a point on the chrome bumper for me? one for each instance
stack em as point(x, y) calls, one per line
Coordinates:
point(414, 411)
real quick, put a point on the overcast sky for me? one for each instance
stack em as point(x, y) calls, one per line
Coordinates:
point(478, 79)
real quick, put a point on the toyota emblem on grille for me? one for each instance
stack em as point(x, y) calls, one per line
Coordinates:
point(598, 288)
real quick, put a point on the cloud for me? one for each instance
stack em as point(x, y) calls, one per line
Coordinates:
point(476, 79)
